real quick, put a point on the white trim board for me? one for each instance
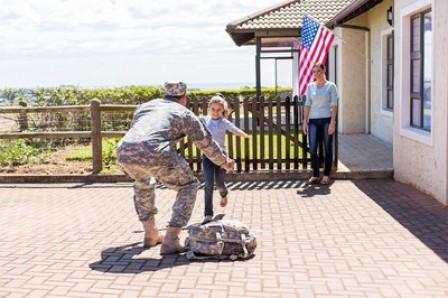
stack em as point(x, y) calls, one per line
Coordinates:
point(383, 71)
point(403, 85)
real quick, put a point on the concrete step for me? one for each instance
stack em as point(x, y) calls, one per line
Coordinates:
point(259, 175)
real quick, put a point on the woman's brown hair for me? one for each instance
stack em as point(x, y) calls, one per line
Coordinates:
point(320, 65)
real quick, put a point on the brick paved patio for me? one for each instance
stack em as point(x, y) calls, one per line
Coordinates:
point(364, 152)
point(352, 239)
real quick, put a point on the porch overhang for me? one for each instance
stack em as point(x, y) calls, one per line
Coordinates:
point(354, 9)
point(283, 20)
point(248, 36)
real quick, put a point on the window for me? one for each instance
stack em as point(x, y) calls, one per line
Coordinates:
point(421, 72)
point(389, 102)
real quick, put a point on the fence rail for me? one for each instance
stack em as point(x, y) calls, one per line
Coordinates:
point(274, 124)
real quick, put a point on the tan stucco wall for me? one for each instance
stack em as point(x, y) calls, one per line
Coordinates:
point(422, 164)
point(351, 80)
point(381, 121)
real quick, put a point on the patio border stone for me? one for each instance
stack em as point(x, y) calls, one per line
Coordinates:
point(245, 176)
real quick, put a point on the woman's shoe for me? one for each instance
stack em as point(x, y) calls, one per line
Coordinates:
point(325, 180)
point(313, 180)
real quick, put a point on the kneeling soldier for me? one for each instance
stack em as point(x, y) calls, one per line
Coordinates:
point(148, 152)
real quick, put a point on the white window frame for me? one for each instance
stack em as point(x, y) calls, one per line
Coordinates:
point(404, 44)
point(383, 73)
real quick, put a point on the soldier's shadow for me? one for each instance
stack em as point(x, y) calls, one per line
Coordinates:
point(127, 259)
point(124, 259)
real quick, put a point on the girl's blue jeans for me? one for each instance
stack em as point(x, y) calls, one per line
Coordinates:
point(318, 128)
point(212, 174)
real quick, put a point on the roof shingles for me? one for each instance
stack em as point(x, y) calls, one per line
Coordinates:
point(289, 15)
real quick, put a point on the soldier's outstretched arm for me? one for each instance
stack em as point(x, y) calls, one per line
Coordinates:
point(202, 138)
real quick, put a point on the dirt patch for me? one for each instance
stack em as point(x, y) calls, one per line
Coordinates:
point(55, 164)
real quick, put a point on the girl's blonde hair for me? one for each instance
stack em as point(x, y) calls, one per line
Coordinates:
point(219, 99)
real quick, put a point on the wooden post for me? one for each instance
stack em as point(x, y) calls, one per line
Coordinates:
point(271, 135)
point(246, 128)
point(23, 117)
point(230, 136)
point(258, 67)
point(288, 131)
point(261, 121)
point(97, 150)
point(278, 114)
point(238, 139)
point(254, 111)
point(296, 132)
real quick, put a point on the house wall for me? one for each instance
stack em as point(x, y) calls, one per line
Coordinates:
point(367, 95)
point(381, 120)
point(420, 158)
point(351, 74)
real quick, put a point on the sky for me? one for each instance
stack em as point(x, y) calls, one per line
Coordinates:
point(92, 43)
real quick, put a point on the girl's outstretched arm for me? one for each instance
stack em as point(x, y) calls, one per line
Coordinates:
point(235, 130)
point(241, 133)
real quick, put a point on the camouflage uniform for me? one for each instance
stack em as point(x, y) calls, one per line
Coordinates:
point(148, 150)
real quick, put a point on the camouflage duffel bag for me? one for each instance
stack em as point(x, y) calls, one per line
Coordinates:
point(220, 240)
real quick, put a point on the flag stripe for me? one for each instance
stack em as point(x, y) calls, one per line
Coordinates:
point(320, 58)
point(306, 59)
point(316, 43)
point(312, 56)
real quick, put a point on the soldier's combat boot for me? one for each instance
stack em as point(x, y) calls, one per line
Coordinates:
point(171, 244)
point(152, 235)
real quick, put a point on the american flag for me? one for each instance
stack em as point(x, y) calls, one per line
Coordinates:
point(316, 43)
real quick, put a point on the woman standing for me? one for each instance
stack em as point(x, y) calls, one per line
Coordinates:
point(320, 120)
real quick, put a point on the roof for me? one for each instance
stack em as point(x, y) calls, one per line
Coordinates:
point(284, 16)
point(354, 9)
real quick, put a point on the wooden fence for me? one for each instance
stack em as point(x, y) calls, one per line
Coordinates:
point(275, 126)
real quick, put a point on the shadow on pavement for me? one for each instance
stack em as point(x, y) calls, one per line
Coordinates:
point(263, 185)
point(420, 214)
point(122, 259)
point(308, 191)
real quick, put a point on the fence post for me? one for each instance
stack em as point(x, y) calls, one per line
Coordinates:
point(97, 150)
point(23, 117)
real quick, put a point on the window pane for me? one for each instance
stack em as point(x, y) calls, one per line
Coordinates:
point(390, 48)
point(390, 75)
point(415, 33)
point(427, 115)
point(415, 81)
point(427, 71)
point(390, 99)
point(416, 113)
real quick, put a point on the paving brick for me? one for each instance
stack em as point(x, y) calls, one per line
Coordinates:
point(373, 238)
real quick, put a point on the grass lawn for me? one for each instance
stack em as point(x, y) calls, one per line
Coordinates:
point(84, 152)
point(275, 151)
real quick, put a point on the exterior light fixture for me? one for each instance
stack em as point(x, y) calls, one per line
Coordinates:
point(390, 16)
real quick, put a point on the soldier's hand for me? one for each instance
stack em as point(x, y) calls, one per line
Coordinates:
point(229, 165)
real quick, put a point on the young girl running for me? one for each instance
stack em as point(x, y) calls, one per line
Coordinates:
point(217, 123)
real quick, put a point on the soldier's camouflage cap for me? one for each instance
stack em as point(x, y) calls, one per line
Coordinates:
point(175, 89)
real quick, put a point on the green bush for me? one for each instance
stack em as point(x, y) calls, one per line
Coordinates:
point(119, 95)
point(110, 121)
point(18, 152)
point(109, 152)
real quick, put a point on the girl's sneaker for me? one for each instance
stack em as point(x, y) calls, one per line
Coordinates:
point(223, 201)
point(207, 219)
